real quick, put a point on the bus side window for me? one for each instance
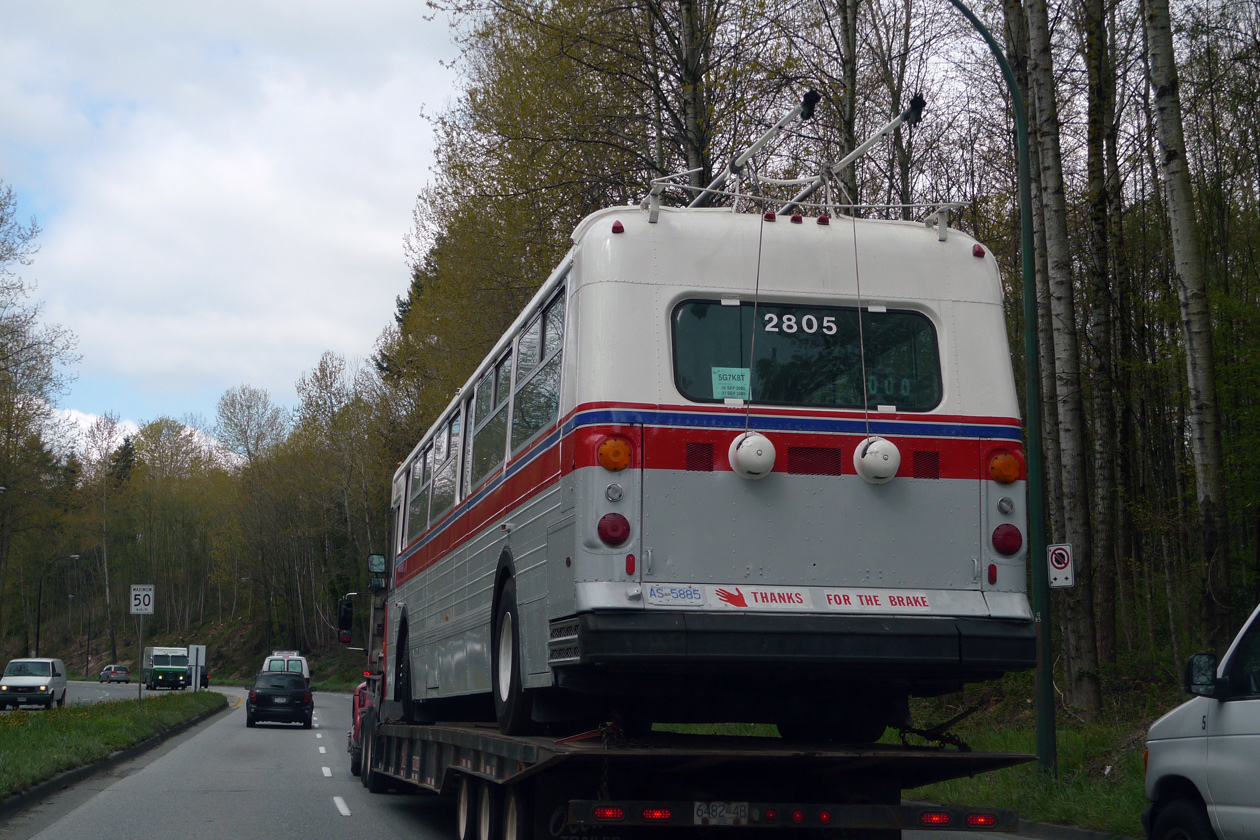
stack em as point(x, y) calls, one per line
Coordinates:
point(490, 436)
point(444, 468)
point(538, 395)
point(418, 508)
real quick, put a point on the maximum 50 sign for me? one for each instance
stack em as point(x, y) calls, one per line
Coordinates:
point(142, 599)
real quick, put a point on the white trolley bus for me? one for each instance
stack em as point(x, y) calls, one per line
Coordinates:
point(724, 467)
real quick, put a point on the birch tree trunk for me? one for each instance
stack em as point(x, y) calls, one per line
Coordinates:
point(1080, 652)
point(1196, 326)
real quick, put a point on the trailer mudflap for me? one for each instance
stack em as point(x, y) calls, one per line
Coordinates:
point(605, 813)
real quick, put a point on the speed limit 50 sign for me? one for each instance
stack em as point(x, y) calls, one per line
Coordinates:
point(1059, 565)
point(142, 599)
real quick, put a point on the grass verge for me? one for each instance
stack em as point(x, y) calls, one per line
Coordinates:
point(37, 745)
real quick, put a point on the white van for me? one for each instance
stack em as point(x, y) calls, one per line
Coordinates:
point(290, 661)
point(1203, 757)
point(33, 682)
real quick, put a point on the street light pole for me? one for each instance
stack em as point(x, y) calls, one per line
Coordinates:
point(1047, 750)
point(39, 594)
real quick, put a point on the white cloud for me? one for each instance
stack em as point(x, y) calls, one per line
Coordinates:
point(223, 187)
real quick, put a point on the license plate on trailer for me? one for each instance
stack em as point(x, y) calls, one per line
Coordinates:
point(720, 813)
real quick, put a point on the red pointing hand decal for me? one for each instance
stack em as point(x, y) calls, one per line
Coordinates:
point(735, 599)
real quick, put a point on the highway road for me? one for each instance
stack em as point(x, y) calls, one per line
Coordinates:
point(222, 780)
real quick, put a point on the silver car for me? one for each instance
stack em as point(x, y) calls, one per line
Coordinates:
point(115, 673)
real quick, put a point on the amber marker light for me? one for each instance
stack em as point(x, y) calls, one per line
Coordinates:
point(614, 454)
point(1004, 467)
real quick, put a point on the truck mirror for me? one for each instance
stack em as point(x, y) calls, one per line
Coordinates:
point(376, 564)
point(345, 620)
point(1200, 675)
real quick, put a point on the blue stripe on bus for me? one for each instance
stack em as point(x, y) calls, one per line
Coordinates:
point(914, 428)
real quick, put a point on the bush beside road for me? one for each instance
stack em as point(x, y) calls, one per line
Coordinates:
point(37, 745)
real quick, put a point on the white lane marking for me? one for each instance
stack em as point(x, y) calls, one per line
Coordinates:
point(327, 772)
point(341, 806)
point(322, 750)
point(317, 737)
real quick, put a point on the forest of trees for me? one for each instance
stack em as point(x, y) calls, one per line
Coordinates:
point(1146, 178)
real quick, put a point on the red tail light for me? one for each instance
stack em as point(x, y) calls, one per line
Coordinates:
point(1007, 540)
point(935, 819)
point(657, 814)
point(981, 820)
point(824, 816)
point(253, 696)
point(609, 813)
point(307, 698)
point(993, 573)
point(798, 816)
point(613, 529)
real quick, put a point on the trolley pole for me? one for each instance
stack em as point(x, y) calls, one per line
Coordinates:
point(1047, 751)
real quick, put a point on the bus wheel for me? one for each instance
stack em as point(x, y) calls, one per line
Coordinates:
point(489, 811)
point(512, 705)
point(466, 808)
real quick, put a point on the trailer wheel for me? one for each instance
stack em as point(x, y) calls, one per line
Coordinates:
point(373, 779)
point(512, 704)
point(466, 808)
point(356, 761)
point(489, 812)
point(517, 818)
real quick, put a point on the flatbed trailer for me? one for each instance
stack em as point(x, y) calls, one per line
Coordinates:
point(597, 785)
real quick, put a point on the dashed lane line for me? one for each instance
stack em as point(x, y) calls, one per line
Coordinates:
point(327, 772)
point(341, 806)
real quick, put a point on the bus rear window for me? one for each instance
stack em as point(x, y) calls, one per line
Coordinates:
point(805, 356)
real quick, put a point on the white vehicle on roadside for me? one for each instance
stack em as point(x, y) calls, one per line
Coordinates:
point(33, 682)
point(1203, 757)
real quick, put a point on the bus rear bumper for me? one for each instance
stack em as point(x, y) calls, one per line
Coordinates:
point(937, 653)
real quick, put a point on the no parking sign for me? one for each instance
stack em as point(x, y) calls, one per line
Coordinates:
point(1059, 562)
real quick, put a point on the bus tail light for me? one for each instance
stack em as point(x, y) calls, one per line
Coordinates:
point(993, 573)
point(1007, 540)
point(613, 529)
point(614, 453)
point(1005, 468)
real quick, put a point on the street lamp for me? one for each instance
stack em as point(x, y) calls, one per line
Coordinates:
point(39, 597)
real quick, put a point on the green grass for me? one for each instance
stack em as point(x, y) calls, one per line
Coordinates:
point(37, 745)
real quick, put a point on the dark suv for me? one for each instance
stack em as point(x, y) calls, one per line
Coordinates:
point(280, 697)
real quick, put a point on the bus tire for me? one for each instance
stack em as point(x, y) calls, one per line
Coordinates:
point(512, 704)
point(466, 808)
point(489, 811)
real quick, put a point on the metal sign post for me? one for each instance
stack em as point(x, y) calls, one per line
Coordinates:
point(141, 605)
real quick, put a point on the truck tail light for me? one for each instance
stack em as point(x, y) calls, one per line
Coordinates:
point(613, 529)
point(934, 819)
point(981, 820)
point(657, 814)
point(1007, 540)
point(609, 813)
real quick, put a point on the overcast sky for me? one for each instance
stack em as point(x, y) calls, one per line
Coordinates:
point(223, 187)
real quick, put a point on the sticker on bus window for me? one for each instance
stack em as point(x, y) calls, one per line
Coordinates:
point(730, 383)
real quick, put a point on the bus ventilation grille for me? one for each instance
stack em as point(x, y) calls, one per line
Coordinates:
point(815, 460)
point(699, 457)
point(927, 465)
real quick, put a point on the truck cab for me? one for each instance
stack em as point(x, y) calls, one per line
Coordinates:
point(1203, 757)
